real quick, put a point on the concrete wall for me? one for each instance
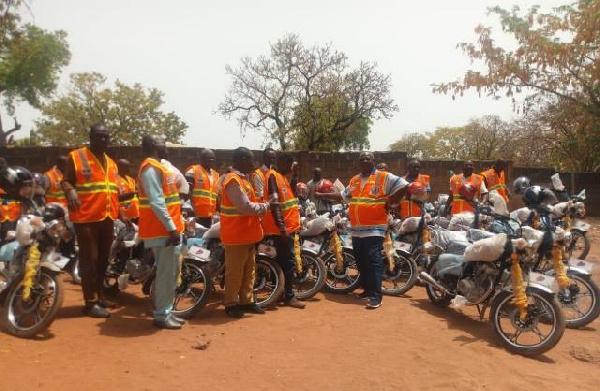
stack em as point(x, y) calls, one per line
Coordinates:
point(334, 165)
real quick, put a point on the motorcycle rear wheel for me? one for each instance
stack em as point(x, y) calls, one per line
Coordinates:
point(543, 311)
point(46, 293)
point(312, 278)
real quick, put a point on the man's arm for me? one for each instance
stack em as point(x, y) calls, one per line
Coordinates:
point(395, 187)
point(68, 185)
point(241, 202)
point(152, 182)
point(274, 195)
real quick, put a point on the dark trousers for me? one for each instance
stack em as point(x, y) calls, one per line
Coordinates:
point(369, 259)
point(94, 241)
point(285, 259)
point(204, 221)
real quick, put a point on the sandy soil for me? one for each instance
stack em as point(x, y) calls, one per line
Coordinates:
point(334, 343)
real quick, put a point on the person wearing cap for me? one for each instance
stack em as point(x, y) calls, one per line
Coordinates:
point(369, 195)
point(460, 184)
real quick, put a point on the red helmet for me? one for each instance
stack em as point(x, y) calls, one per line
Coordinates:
point(301, 190)
point(467, 191)
point(325, 186)
point(416, 191)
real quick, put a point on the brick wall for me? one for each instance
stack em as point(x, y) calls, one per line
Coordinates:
point(341, 165)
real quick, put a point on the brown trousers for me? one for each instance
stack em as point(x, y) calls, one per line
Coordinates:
point(94, 240)
point(239, 274)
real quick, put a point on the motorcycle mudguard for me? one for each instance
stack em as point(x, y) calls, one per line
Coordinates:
point(532, 285)
point(571, 269)
point(581, 227)
point(50, 266)
point(310, 251)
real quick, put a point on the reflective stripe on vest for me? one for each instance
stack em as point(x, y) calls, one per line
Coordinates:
point(368, 205)
point(54, 193)
point(129, 208)
point(459, 204)
point(96, 186)
point(204, 195)
point(289, 207)
point(408, 208)
point(150, 227)
point(237, 229)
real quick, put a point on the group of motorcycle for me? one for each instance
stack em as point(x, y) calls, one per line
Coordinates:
point(523, 269)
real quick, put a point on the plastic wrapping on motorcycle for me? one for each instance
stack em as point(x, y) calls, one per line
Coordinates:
point(449, 264)
point(317, 226)
point(456, 247)
point(7, 252)
point(486, 250)
point(461, 221)
point(500, 207)
point(521, 214)
point(443, 238)
point(214, 232)
point(441, 221)
point(411, 224)
point(475, 235)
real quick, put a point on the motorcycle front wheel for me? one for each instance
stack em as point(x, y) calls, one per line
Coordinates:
point(74, 271)
point(311, 279)
point(540, 330)
point(268, 282)
point(26, 319)
point(341, 281)
point(579, 246)
point(194, 291)
point(402, 278)
point(582, 305)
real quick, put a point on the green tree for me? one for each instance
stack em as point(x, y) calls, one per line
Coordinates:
point(129, 112)
point(416, 145)
point(291, 90)
point(31, 60)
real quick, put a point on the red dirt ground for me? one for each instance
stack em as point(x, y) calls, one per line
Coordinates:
point(334, 343)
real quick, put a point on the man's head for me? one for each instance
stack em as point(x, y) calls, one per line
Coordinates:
point(269, 157)
point(124, 166)
point(414, 167)
point(207, 158)
point(61, 163)
point(317, 174)
point(468, 168)
point(243, 160)
point(99, 138)
point(499, 165)
point(366, 162)
point(284, 162)
point(154, 146)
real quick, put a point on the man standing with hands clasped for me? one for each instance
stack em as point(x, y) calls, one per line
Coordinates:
point(160, 227)
point(369, 195)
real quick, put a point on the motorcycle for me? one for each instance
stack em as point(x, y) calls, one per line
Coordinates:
point(131, 263)
point(33, 291)
point(524, 312)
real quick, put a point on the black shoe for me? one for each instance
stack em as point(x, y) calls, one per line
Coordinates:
point(96, 311)
point(177, 319)
point(252, 308)
point(294, 303)
point(168, 323)
point(234, 311)
point(107, 303)
point(364, 296)
point(373, 303)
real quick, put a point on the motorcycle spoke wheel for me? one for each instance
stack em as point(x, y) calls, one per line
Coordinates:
point(582, 306)
point(343, 282)
point(266, 282)
point(193, 289)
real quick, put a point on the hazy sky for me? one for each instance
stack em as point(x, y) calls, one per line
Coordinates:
point(182, 46)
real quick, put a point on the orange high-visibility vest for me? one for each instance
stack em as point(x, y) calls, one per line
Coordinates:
point(131, 207)
point(204, 195)
point(97, 188)
point(496, 182)
point(10, 210)
point(289, 207)
point(150, 227)
point(459, 204)
point(237, 229)
point(409, 208)
point(261, 176)
point(368, 205)
point(55, 193)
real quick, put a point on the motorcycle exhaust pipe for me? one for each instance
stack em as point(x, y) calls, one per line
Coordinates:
point(426, 278)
